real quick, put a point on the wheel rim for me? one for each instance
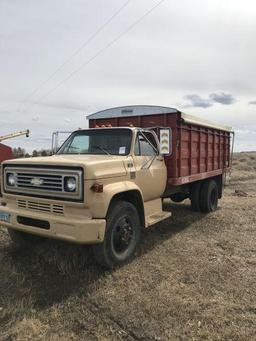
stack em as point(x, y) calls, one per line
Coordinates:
point(122, 236)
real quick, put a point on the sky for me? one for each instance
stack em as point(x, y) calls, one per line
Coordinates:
point(61, 60)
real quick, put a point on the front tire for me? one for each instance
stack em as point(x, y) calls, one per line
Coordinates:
point(121, 237)
point(24, 239)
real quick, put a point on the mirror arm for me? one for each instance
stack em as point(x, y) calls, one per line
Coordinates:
point(145, 137)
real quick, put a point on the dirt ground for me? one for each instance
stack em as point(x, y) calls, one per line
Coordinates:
point(194, 278)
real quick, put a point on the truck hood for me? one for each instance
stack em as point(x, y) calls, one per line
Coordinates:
point(95, 166)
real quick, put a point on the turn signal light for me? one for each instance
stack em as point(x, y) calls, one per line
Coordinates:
point(97, 188)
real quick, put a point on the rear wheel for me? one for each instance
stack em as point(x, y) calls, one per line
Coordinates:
point(209, 196)
point(24, 239)
point(121, 237)
point(195, 193)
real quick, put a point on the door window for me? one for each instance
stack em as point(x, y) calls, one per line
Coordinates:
point(145, 144)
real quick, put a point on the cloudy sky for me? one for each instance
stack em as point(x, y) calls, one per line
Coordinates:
point(61, 60)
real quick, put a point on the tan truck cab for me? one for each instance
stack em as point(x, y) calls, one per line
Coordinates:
point(101, 188)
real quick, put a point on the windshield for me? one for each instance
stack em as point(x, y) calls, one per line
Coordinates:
point(98, 141)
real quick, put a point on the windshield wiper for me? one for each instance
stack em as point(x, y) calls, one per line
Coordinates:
point(102, 149)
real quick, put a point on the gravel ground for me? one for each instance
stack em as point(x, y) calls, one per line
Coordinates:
point(194, 278)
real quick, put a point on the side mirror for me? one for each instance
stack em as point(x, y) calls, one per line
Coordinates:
point(55, 136)
point(165, 141)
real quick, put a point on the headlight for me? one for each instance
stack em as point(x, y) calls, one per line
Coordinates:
point(70, 184)
point(11, 179)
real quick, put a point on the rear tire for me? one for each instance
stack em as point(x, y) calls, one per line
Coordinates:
point(209, 196)
point(195, 196)
point(121, 237)
point(24, 239)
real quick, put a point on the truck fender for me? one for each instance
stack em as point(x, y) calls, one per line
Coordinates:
point(124, 190)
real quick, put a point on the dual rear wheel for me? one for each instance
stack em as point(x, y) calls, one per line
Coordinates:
point(204, 196)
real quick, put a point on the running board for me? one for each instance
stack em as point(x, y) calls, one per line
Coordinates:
point(157, 217)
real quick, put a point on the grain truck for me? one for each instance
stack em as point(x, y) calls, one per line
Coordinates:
point(107, 183)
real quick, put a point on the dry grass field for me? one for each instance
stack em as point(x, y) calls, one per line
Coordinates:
point(194, 278)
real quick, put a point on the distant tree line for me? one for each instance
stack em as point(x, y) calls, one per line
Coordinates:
point(21, 153)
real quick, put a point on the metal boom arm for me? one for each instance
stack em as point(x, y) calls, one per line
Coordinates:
point(10, 136)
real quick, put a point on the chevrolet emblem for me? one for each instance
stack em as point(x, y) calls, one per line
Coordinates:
point(36, 181)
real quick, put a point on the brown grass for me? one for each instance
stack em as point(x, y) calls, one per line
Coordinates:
point(193, 279)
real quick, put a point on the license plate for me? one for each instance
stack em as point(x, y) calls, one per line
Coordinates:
point(6, 217)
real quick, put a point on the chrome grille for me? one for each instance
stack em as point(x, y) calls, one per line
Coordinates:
point(41, 207)
point(48, 182)
point(44, 182)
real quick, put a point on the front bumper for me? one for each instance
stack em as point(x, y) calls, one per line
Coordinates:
point(76, 230)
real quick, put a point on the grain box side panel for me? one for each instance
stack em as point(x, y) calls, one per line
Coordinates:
point(203, 149)
point(203, 152)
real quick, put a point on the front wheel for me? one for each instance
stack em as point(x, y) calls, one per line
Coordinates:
point(121, 237)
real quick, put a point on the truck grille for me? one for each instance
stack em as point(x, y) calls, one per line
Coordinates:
point(41, 207)
point(44, 182)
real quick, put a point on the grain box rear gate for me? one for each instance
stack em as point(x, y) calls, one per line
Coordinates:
point(200, 149)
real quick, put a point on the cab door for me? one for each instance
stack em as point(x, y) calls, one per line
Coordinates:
point(151, 172)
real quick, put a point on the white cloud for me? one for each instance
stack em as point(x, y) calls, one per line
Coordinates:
point(253, 102)
point(36, 118)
